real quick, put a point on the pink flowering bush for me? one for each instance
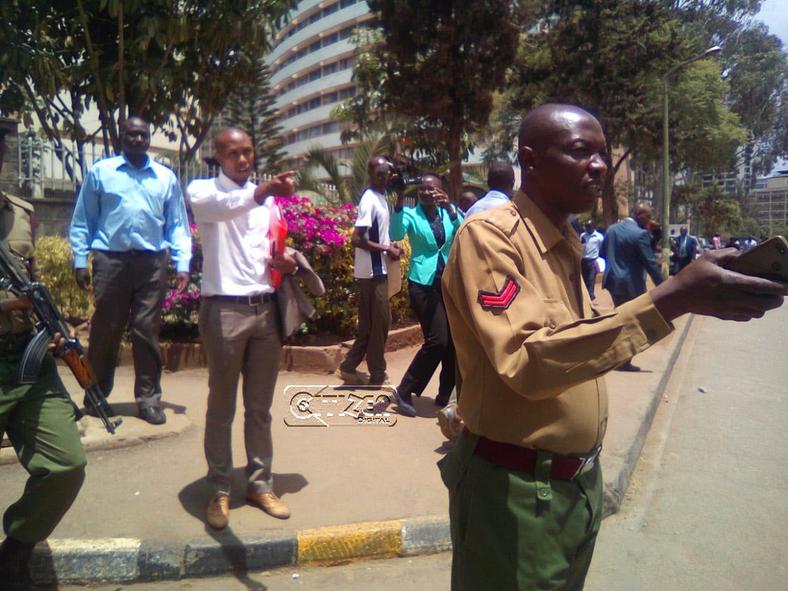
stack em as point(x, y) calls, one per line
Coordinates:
point(322, 233)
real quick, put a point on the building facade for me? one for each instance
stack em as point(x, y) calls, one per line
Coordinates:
point(770, 203)
point(311, 72)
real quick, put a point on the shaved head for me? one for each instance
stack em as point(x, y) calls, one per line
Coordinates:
point(563, 156)
point(373, 163)
point(225, 135)
point(540, 125)
point(234, 152)
point(641, 213)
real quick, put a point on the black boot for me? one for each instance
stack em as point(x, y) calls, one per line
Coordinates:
point(14, 562)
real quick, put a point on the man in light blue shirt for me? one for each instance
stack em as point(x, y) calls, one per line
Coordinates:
point(130, 213)
point(500, 179)
point(592, 241)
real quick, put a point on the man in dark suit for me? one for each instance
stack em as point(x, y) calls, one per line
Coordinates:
point(685, 248)
point(627, 250)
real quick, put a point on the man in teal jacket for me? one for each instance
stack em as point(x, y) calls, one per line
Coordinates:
point(430, 227)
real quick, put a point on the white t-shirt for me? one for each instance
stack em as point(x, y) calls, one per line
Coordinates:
point(373, 214)
point(234, 233)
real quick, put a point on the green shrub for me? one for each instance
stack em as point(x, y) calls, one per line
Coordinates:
point(55, 269)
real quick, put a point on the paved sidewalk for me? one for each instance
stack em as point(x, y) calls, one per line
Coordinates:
point(353, 491)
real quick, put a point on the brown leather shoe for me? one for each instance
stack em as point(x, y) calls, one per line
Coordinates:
point(218, 511)
point(269, 503)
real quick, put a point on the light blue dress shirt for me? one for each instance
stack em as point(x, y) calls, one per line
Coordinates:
point(122, 208)
point(491, 199)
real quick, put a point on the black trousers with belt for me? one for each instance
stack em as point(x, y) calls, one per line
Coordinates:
point(129, 289)
point(438, 348)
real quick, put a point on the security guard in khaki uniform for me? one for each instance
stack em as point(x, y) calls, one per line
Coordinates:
point(525, 486)
point(38, 418)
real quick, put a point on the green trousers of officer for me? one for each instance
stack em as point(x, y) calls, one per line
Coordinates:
point(39, 421)
point(513, 531)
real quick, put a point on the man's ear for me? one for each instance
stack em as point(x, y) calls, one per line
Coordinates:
point(527, 157)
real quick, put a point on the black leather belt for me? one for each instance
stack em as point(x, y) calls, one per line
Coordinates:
point(249, 300)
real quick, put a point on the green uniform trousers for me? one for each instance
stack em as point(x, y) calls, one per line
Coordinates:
point(515, 531)
point(39, 421)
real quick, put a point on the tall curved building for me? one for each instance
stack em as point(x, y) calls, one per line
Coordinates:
point(311, 68)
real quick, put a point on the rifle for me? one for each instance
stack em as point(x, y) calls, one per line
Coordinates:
point(49, 322)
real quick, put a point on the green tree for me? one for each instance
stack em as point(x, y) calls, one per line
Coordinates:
point(607, 56)
point(172, 63)
point(758, 76)
point(442, 62)
point(250, 107)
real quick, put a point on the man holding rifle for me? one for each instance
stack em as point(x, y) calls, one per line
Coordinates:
point(38, 418)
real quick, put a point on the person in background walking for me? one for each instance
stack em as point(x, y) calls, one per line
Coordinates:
point(592, 241)
point(686, 248)
point(628, 256)
point(430, 227)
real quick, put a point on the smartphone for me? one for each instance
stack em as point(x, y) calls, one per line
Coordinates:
point(769, 260)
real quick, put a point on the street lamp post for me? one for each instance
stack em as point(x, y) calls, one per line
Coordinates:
point(666, 155)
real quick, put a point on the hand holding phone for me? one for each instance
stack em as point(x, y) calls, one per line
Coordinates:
point(768, 260)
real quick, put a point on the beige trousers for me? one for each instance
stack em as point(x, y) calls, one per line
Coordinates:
point(240, 340)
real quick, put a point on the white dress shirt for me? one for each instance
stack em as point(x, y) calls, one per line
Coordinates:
point(234, 233)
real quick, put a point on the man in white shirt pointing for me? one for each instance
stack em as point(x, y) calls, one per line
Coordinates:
point(239, 318)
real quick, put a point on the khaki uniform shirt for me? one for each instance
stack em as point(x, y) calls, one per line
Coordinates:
point(531, 350)
point(16, 229)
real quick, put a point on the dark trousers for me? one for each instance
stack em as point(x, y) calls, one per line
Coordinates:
point(129, 288)
point(621, 298)
point(588, 267)
point(374, 319)
point(427, 303)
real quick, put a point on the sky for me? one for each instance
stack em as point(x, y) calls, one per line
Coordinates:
point(775, 14)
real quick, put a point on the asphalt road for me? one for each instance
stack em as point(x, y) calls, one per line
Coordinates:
point(706, 508)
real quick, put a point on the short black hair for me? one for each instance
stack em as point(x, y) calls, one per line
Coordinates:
point(500, 177)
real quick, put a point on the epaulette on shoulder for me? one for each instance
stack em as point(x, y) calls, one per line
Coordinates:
point(503, 217)
point(19, 202)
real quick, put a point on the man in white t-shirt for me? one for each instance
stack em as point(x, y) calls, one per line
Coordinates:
point(373, 249)
point(239, 319)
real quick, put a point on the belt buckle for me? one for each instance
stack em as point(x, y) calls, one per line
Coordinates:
point(587, 462)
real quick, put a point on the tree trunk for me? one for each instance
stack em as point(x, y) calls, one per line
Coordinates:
point(455, 172)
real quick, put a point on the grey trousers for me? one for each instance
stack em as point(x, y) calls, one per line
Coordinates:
point(129, 288)
point(240, 340)
point(374, 319)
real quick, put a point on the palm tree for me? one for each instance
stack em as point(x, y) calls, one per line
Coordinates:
point(348, 186)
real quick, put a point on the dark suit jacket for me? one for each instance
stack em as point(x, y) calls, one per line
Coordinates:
point(294, 306)
point(627, 251)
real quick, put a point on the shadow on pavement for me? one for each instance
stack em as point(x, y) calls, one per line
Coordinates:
point(195, 496)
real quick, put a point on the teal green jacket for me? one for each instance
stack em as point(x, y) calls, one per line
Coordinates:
point(424, 249)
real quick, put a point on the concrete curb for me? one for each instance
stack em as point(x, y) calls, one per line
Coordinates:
point(125, 560)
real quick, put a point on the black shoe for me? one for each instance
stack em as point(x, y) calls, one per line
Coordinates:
point(628, 367)
point(153, 414)
point(14, 561)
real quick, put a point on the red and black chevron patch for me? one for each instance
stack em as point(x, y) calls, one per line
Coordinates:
point(502, 299)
